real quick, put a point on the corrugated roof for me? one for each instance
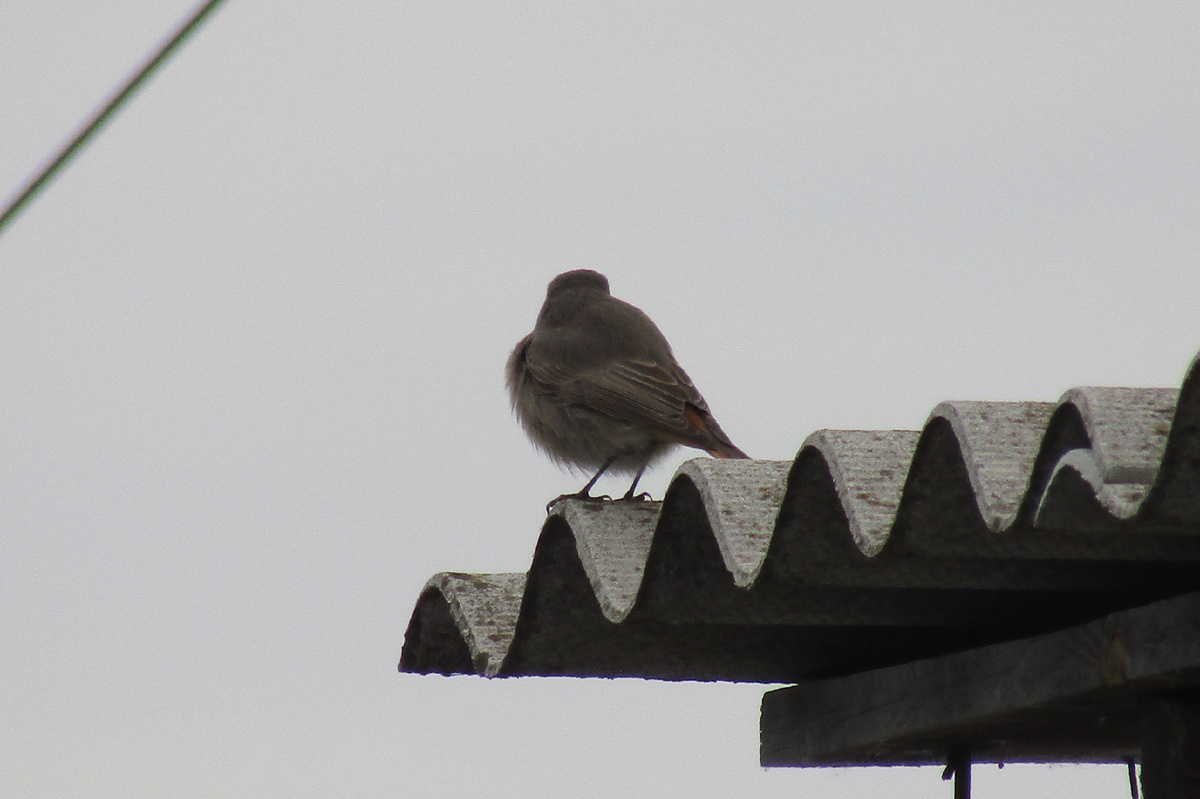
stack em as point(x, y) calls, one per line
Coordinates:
point(996, 521)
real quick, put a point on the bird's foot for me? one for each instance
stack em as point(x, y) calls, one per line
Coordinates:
point(580, 495)
point(642, 497)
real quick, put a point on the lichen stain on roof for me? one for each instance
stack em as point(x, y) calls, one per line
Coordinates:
point(996, 521)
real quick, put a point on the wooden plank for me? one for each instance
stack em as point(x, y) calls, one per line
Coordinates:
point(1069, 696)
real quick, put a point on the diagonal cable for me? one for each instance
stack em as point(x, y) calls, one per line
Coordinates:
point(185, 28)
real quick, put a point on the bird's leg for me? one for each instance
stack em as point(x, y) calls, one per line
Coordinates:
point(583, 492)
point(629, 495)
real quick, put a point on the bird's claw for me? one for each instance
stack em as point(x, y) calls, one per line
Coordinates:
point(583, 496)
point(642, 497)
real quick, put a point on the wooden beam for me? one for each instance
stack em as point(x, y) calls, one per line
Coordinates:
point(1070, 696)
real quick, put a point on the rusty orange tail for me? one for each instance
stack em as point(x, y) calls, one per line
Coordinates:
point(708, 435)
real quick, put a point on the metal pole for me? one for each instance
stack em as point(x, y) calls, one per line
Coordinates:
point(958, 766)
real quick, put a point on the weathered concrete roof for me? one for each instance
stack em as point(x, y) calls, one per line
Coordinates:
point(996, 521)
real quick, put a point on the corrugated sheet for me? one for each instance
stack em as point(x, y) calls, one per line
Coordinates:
point(996, 521)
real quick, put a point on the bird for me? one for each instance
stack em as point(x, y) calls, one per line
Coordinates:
point(596, 386)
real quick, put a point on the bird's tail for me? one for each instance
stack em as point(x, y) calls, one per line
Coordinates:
point(727, 450)
point(711, 438)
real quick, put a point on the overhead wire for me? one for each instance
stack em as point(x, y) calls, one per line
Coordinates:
point(55, 163)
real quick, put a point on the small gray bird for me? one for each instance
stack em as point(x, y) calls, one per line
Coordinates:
point(595, 385)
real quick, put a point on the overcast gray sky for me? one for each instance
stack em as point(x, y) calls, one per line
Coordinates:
point(253, 341)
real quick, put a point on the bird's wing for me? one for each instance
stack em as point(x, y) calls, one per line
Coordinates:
point(636, 390)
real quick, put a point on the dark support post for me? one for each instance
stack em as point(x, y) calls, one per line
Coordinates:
point(1170, 730)
point(958, 766)
point(1131, 764)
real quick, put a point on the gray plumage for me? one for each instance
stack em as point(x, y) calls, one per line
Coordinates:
point(595, 385)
